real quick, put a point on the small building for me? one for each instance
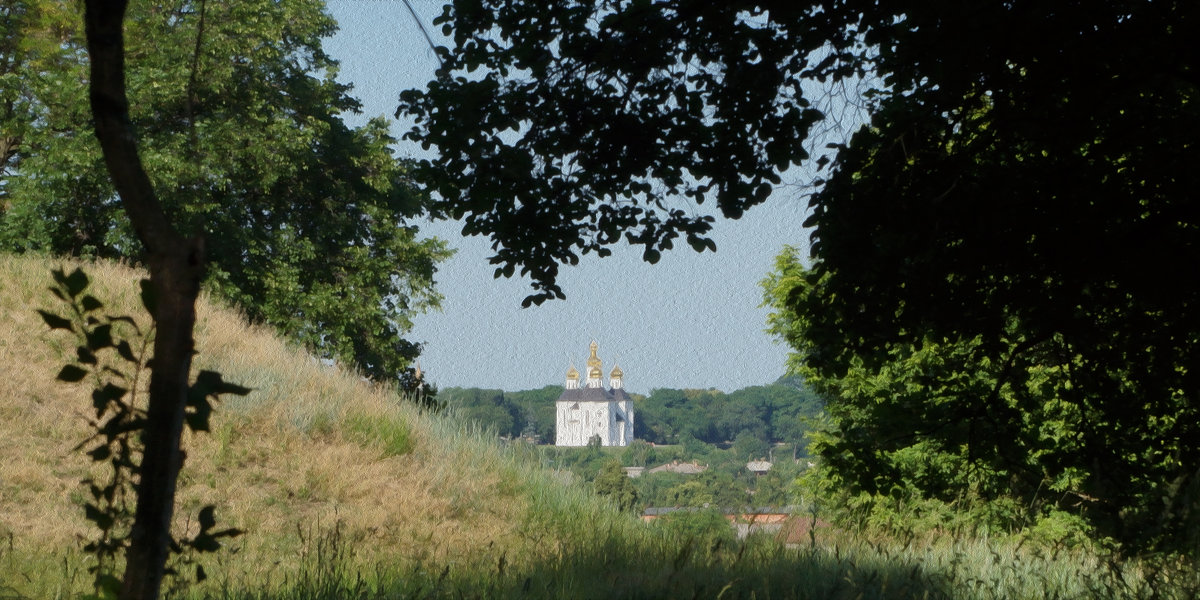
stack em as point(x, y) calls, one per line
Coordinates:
point(778, 521)
point(590, 410)
point(634, 472)
point(758, 467)
point(692, 468)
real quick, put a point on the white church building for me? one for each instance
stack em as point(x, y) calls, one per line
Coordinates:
point(588, 410)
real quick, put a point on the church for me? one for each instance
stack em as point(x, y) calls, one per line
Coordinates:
point(591, 410)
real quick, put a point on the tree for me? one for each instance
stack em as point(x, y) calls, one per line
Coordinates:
point(562, 128)
point(612, 482)
point(239, 122)
point(1022, 197)
point(1014, 220)
point(748, 446)
point(706, 527)
point(537, 409)
point(488, 408)
point(176, 268)
point(639, 453)
point(176, 262)
point(690, 493)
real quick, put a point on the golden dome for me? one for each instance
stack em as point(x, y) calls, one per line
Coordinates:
point(572, 373)
point(593, 360)
point(594, 373)
point(616, 372)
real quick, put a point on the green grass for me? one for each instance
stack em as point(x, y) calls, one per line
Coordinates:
point(393, 438)
point(615, 564)
point(348, 492)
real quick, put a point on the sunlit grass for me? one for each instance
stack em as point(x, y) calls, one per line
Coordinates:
point(312, 444)
point(346, 491)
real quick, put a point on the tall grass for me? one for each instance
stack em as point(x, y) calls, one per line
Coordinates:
point(348, 492)
point(615, 564)
point(313, 443)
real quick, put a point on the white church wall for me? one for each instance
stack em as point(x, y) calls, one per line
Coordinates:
point(591, 410)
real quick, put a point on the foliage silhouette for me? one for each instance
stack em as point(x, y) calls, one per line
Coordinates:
point(115, 367)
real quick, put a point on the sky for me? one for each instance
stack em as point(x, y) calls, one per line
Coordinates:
point(693, 320)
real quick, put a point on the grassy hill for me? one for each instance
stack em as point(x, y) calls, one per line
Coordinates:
point(313, 451)
point(346, 491)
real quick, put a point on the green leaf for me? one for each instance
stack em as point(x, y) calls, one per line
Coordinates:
point(149, 297)
point(89, 303)
point(76, 282)
point(102, 519)
point(71, 374)
point(207, 517)
point(100, 337)
point(55, 321)
point(209, 383)
point(125, 351)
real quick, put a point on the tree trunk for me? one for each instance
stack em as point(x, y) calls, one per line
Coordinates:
point(176, 269)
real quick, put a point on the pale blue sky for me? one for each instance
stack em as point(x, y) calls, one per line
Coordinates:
point(690, 321)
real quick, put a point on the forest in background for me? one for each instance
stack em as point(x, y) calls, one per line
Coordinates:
point(752, 418)
point(720, 432)
point(990, 300)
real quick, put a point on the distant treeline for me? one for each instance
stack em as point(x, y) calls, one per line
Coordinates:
point(775, 413)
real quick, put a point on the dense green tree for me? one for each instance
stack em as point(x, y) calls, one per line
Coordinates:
point(729, 487)
point(690, 493)
point(998, 256)
point(537, 410)
point(306, 220)
point(747, 446)
point(773, 488)
point(773, 413)
point(613, 483)
point(654, 490)
point(528, 413)
point(488, 408)
point(639, 453)
point(1023, 195)
point(167, 199)
point(707, 527)
point(563, 128)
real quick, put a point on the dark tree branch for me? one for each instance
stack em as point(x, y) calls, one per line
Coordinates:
point(176, 268)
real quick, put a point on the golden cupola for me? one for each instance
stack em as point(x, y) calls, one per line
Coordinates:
point(615, 376)
point(593, 362)
point(572, 378)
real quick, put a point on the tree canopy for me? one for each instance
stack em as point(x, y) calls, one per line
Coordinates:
point(776, 413)
point(563, 128)
point(1002, 254)
point(307, 220)
point(997, 265)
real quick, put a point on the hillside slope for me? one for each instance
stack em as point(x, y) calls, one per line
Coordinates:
point(313, 449)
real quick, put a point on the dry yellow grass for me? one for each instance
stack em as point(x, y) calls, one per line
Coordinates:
point(278, 461)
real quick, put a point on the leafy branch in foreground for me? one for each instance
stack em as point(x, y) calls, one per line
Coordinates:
point(116, 368)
